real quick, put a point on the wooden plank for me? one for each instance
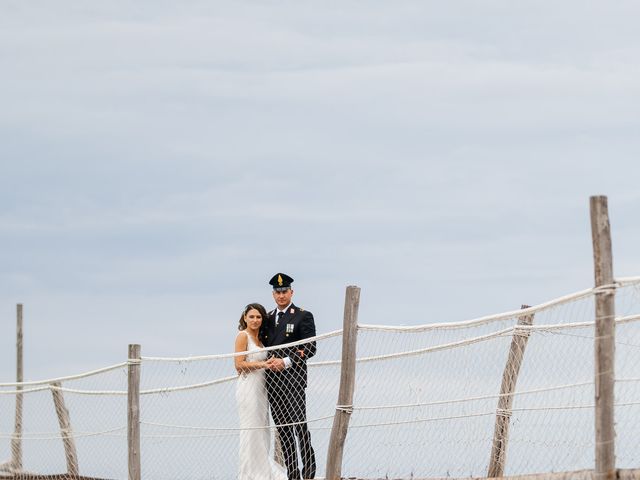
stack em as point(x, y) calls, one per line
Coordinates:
point(623, 474)
point(133, 412)
point(631, 474)
point(604, 340)
point(347, 384)
point(628, 474)
point(70, 453)
point(57, 476)
point(505, 402)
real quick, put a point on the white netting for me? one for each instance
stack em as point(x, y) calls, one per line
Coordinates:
point(98, 422)
point(190, 427)
point(424, 406)
point(426, 397)
point(195, 433)
point(627, 393)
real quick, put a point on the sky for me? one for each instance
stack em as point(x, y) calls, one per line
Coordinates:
point(160, 161)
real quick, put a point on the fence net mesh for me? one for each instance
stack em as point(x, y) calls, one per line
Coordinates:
point(426, 399)
point(425, 404)
point(98, 421)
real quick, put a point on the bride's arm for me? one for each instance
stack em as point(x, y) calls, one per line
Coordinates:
point(242, 365)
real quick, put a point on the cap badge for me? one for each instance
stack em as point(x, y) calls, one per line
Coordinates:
point(279, 280)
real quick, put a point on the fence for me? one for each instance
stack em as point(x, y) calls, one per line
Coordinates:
point(509, 394)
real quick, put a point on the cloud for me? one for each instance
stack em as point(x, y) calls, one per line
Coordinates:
point(160, 159)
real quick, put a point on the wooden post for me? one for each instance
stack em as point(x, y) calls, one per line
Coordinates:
point(347, 384)
point(16, 441)
point(65, 429)
point(604, 340)
point(505, 402)
point(133, 412)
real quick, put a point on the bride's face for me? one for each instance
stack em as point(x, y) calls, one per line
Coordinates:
point(253, 319)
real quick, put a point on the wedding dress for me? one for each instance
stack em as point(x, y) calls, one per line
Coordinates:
point(251, 395)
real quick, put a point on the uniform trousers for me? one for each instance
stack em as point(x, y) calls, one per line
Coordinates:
point(287, 400)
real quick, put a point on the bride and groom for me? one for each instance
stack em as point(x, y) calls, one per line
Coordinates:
point(275, 380)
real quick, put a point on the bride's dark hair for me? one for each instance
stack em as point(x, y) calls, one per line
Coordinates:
point(242, 324)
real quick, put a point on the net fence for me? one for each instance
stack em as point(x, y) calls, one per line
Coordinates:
point(426, 403)
point(97, 411)
point(427, 398)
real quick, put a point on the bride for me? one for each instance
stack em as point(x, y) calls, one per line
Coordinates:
point(251, 396)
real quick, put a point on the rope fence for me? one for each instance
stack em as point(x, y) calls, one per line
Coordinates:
point(546, 391)
point(424, 402)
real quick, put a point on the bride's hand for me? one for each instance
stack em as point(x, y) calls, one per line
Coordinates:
point(276, 364)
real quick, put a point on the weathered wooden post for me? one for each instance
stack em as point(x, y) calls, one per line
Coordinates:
point(604, 339)
point(70, 453)
point(133, 412)
point(347, 384)
point(16, 441)
point(505, 402)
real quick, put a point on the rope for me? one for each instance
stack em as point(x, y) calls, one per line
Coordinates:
point(89, 392)
point(146, 392)
point(605, 289)
point(483, 320)
point(473, 399)
point(444, 346)
point(506, 315)
point(624, 380)
point(335, 333)
point(20, 391)
point(209, 435)
point(51, 436)
point(522, 330)
point(345, 408)
point(482, 414)
point(234, 429)
point(628, 319)
point(518, 331)
point(421, 420)
point(481, 338)
point(70, 377)
point(555, 326)
point(554, 407)
point(500, 412)
point(627, 281)
point(504, 413)
point(189, 387)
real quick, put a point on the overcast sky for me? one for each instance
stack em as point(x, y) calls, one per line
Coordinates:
point(160, 161)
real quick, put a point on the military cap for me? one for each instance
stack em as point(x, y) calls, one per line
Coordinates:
point(281, 282)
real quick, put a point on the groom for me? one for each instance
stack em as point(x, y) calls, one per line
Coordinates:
point(287, 376)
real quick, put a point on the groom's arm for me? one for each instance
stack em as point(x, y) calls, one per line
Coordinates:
point(299, 354)
point(307, 330)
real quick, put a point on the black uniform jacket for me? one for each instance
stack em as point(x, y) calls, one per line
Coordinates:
point(296, 324)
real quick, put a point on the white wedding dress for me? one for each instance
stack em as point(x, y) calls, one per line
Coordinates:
point(251, 395)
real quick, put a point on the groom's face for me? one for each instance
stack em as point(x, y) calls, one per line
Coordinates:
point(283, 298)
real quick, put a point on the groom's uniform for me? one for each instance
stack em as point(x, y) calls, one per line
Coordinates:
point(286, 389)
